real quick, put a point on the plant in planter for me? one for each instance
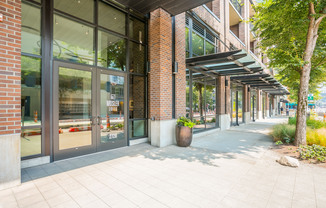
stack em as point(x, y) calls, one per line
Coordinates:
point(184, 132)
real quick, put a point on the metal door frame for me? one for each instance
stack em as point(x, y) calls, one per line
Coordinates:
point(63, 154)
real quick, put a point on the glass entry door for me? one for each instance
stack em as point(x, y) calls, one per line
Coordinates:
point(111, 110)
point(88, 110)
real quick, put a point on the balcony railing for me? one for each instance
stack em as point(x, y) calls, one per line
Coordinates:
point(236, 5)
point(251, 26)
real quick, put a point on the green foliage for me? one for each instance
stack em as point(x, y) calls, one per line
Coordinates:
point(284, 133)
point(282, 27)
point(120, 126)
point(279, 143)
point(316, 152)
point(314, 124)
point(183, 121)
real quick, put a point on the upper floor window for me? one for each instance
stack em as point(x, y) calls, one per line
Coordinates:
point(199, 39)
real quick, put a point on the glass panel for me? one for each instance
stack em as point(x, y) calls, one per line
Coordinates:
point(198, 104)
point(30, 91)
point(137, 30)
point(240, 103)
point(137, 58)
point(73, 41)
point(137, 128)
point(187, 99)
point(112, 108)
point(137, 97)
point(83, 9)
point(31, 29)
point(210, 48)
point(210, 106)
point(197, 44)
point(75, 108)
point(111, 51)
point(187, 39)
point(111, 18)
point(31, 142)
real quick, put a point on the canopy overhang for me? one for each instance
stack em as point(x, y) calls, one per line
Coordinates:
point(173, 7)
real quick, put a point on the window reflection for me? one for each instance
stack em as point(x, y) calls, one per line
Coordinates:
point(31, 91)
point(111, 18)
point(31, 29)
point(73, 41)
point(137, 97)
point(137, 30)
point(83, 9)
point(137, 58)
point(31, 142)
point(111, 51)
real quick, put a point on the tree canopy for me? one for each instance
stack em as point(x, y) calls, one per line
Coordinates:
point(282, 28)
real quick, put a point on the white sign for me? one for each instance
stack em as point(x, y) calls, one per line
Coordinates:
point(112, 103)
point(113, 96)
point(112, 136)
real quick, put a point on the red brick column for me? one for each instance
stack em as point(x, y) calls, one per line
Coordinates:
point(220, 96)
point(160, 56)
point(180, 57)
point(10, 46)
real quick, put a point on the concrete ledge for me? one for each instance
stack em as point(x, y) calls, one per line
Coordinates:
point(138, 141)
point(9, 161)
point(224, 121)
point(205, 133)
point(35, 162)
point(162, 133)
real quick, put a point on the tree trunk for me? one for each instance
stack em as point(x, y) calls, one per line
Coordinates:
point(300, 132)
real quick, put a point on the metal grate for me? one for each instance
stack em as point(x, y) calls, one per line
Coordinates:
point(198, 28)
point(210, 37)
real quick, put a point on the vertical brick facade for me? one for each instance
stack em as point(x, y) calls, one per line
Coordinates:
point(180, 57)
point(10, 66)
point(220, 96)
point(160, 56)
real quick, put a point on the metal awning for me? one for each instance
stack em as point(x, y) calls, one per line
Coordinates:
point(262, 81)
point(174, 7)
point(237, 62)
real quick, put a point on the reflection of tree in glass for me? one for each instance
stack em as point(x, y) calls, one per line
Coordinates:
point(199, 88)
point(115, 55)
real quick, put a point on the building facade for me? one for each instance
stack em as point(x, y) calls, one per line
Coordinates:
point(78, 77)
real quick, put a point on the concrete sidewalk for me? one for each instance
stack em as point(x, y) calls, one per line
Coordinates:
point(233, 168)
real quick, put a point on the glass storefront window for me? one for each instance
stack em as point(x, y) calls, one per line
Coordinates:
point(210, 108)
point(30, 91)
point(198, 104)
point(240, 105)
point(83, 9)
point(31, 142)
point(111, 51)
point(137, 58)
point(137, 128)
point(209, 47)
point(137, 30)
point(137, 101)
point(197, 44)
point(111, 18)
point(73, 41)
point(31, 29)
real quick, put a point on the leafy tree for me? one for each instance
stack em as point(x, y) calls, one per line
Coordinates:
point(293, 34)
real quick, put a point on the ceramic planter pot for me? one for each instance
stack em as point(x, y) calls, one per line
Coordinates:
point(184, 136)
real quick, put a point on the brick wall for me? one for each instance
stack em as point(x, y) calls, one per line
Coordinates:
point(10, 44)
point(180, 57)
point(160, 56)
point(220, 96)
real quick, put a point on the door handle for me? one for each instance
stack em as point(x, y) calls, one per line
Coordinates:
point(92, 120)
point(99, 119)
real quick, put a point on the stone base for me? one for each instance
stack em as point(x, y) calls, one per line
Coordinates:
point(9, 161)
point(267, 114)
point(138, 141)
point(162, 133)
point(246, 117)
point(35, 162)
point(224, 121)
point(259, 115)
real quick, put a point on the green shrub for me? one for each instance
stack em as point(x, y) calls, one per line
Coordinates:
point(316, 136)
point(313, 152)
point(183, 121)
point(314, 124)
point(284, 133)
point(279, 143)
point(292, 121)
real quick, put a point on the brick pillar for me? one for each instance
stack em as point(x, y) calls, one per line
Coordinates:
point(161, 125)
point(223, 102)
point(10, 45)
point(259, 105)
point(246, 108)
point(267, 105)
point(180, 57)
